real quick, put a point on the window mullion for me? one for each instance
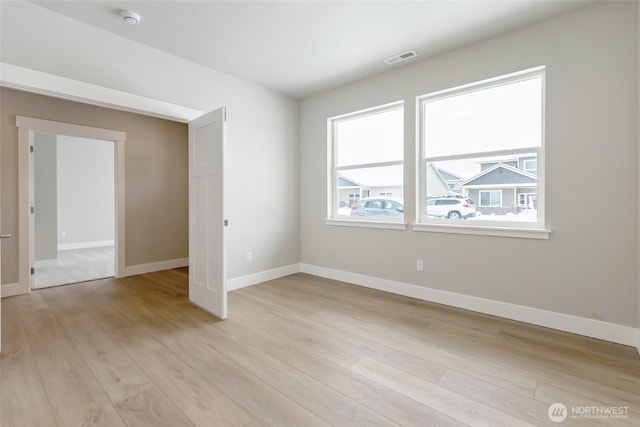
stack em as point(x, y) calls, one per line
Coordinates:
point(370, 165)
point(470, 155)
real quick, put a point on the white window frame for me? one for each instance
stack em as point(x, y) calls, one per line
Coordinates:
point(535, 230)
point(489, 191)
point(333, 217)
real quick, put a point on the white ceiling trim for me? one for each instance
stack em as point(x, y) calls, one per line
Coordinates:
point(25, 79)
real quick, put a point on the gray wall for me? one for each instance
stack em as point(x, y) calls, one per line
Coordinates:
point(45, 195)
point(86, 190)
point(590, 263)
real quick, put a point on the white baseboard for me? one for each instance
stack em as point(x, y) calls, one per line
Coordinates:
point(578, 325)
point(262, 276)
point(10, 289)
point(84, 245)
point(133, 270)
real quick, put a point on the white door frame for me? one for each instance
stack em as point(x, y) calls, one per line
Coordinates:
point(26, 127)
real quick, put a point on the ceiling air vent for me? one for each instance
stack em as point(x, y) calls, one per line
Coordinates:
point(402, 57)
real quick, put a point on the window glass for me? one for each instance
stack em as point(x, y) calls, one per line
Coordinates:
point(505, 116)
point(483, 142)
point(370, 138)
point(491, 198)
point(368, 155)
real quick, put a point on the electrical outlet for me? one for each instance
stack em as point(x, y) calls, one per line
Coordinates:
point(249, 256)
point(419, 265)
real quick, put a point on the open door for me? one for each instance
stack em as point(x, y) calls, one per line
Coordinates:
point(207, 274)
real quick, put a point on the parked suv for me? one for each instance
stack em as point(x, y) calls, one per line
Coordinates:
point(378, 206)
point(451, 207)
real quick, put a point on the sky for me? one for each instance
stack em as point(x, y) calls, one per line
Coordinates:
point(507, 116)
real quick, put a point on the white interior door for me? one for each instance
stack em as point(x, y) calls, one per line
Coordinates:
point(207, 275)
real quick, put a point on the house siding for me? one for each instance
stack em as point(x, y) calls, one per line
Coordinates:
point(509, 201)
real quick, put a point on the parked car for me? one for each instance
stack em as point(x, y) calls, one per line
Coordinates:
point(451, 207)
point(378, 206)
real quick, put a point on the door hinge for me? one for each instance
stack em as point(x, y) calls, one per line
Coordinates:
point(31, 148)
point(226, 222)
point(33, 270)
point(32, 209)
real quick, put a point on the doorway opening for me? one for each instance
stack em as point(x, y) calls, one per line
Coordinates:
point(74, 217)
point(29, 130)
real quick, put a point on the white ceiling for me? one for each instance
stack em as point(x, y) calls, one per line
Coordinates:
point(300, 48)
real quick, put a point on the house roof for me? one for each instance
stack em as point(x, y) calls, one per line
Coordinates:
point(449, 176)
point(500, 174)
point(344, 182)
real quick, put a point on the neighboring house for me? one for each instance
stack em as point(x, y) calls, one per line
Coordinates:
point(507, 186)
point(451, 180)
point(436, 184)
point(350, 190)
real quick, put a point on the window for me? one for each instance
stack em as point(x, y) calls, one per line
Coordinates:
point(530, 165)
point(491, 198)
point(490, 134)
point(367, 152)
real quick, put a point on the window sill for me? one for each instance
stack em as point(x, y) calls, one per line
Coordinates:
point(481, 230)
point(389, 225)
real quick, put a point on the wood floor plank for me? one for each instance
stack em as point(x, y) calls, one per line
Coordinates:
point(333, 407)
point(450, 403)
point(336, 349)
point(360, 346)
point(264, 403)
point(75, 395)
point(151, 408)
point(612, 350)
point(23, 399)
point(202, 403)
point(313, 395)
point(550, 394)
point(120, 377)
point(522, 407)
point(30, 302)
point(62, 301)
point(295, 351)
point(518, 382)
point(387, 402)
point(580, 359)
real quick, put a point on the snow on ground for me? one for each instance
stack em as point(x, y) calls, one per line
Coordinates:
point(530, 215)
point(525, 216)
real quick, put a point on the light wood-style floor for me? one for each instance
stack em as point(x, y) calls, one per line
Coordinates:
point(298, 351)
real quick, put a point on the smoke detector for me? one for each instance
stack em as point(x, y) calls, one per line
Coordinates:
point(130, 17)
